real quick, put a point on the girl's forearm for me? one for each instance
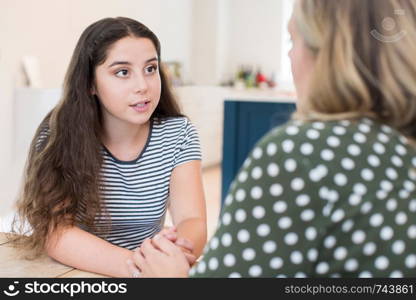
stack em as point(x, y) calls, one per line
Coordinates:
point(82, 250)
point(195, 230)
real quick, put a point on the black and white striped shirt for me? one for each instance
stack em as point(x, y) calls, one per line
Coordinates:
point(135, 193)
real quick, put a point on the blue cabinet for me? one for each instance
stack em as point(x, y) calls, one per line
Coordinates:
point(245, 123)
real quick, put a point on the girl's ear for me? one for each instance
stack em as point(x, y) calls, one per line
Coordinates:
point(93, 90)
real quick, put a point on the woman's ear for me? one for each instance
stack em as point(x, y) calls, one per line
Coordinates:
point(93, 90)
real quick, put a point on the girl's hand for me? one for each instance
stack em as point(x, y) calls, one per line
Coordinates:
point(159, 257)
point(186, 245)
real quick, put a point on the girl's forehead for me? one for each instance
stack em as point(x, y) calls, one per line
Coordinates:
point(134, 47)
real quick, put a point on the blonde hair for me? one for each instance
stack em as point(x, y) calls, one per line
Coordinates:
point(361, 67)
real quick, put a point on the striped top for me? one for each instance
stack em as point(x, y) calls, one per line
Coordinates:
point(135, 193)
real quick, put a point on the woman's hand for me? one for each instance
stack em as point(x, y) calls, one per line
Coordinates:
point(159, 257)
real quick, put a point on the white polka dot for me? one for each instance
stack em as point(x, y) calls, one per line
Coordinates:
point(351, 265)
point(290, 165)
point(359, 138)
point(345, 123)
point(312, 255)
point(409, 186)
point(369, 248)
point(398, 247)
point(263, 230)
point(382, 194)
point(247, 162)
point(382, 263)
point(243, 236)
point(367, 174)
point(287, 146)
point(359, 189)
point(259, 212)
point(365, 274)
point(386, 185)
point(397, 161)
point(354, 150)
point(338, 215)
point(242, 177)
point(240, 195)
point(411, 261)
point(226, 219)
point(354, 199)
point(396, 274)
point(229, 260)
point(401, 150)
point(330, 242)
point(347, 163)
point(340, 179)
point(306, 149)
point(322, 268)
point(255, 271)
point(404, 194)
point(240, 215)
point(234, 275)
point(312, 134)
point(412, 174)
point(311, 233)
point(271, 149)
point(201, 267)
point(327, 155)
point(300, 275)
point(373, 160)
point(401, 218)
point(249, 254)
point(280, 207)
point(307, 215)
point(347, 225)
point(256, 173)
point(391, 173)
point(379, 148)
point(318, 125)
point(292, 130)
point(338, 130)
point(192, 271)
point(276, 263)
point(291, 238)
point(226, 239)
point(257, 153)
point(333, 141)
point(272, 170)
point(213, 263)
point(386, 233)
point(269, 247)
point(303, 200)
point(297, 184)
point(296, 257)
point(376, 220)
point(412, 205)
point(411, 232)
point(285, 223)
point(340, 253)
point(386, 129)
point(366, 208)
point(358, 237)
point(383, 138)
point(364, 128)
point(276, 190)
point(228, 200)
point(256, 192)
point(214, 243)
point(391, 204)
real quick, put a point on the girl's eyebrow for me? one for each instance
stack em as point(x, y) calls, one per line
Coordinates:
point(129, 63)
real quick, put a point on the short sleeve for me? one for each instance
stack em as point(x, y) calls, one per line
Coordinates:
point(188, 146)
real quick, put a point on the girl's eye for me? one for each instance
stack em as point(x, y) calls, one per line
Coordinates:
point(122, 73)
point(150, 69)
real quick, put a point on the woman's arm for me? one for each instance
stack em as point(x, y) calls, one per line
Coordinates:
point(187, 204)
point(77, 248)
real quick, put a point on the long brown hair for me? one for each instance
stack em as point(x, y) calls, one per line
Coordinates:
point(62, 171)
point(362, 66)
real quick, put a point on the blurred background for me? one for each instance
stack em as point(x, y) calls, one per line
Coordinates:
point(214, 49)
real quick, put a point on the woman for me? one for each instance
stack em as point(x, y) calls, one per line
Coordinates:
point(331, 193)
point(112, 156)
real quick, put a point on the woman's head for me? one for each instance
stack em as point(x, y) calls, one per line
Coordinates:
point(358, 58)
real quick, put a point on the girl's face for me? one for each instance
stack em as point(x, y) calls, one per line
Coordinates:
point(128, 82)
point(302, 63)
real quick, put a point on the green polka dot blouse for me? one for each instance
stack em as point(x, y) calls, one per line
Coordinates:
point(320, 199)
